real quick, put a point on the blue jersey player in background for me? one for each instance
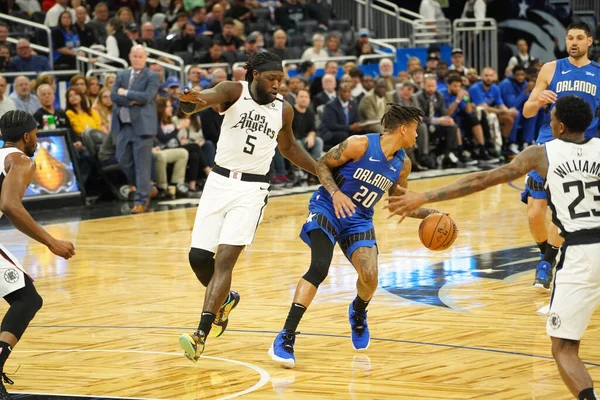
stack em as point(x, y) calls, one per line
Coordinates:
point(574, 75)
point(354, 176)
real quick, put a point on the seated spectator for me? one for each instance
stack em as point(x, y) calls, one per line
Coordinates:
point(167, 138)
point(333, 46)
point(328, 94)
point(340, 118)
point(198, 20)
point(194, 134)
point(441, 126)
point(218, 75)
point(104, 106)
point(373, 106)
point(83, 30)
point(462, 111)
point(179, 24)
point(195, 76)
point(418, 79)
point(404, 95)
point(226, 37)
point(367, 49)
point(53, 14)
point(132, 30)
point(307, 71)
point(4, 36)
point(25, 61)
point(250, 48)
point(486, 94)
point(238, 74)
point(363, 38)
point(214, 55)
point(6, 103)
point(99, 22)
point(108, 80)
point(472, 76)
point(294, 84)
point(152, 7)
point(64, 41)
point(358, 91)
point(316, 51)
point(303, 125)
point(217, 15)
point(458, 61)
point(523, 57)
point(117, 42)
point(279, 42)
point(93, 88)
point(386, 71)
point(173, 87)
point(316, 86)
point(81, 115)
point(412, 64)
point(80, 83)
point(125, 13)
point(174, 8)
point(289, 14)
point(5, 65)
point(22, 97)
point(321, 11)
point(239, 11)
point(442, 71)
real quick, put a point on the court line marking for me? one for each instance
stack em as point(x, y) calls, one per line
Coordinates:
point(451, 346)
point(265, 377)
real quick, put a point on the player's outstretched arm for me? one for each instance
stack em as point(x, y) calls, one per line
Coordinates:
point(289, 147)
point(193, 100)
point(352, 148)
point(540, 96)
point(402, 183)
point(20, 172)
point(533, 157)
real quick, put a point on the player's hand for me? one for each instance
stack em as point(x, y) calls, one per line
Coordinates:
point(343, 206)
point(191, 96)
point(405, 203)
point(547, 97)
point(62, 248)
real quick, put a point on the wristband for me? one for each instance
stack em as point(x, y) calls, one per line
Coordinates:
point(332, 193)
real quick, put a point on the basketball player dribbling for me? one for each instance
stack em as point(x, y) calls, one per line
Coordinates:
point(256, 120)
point(574, 75)
point(570, 165)
point(354, 175)
point(18, 130)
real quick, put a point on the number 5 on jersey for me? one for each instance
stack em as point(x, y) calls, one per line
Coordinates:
point(249, 149)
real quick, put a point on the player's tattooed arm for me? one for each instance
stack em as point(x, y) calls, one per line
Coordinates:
point(533, 157)
point(193, 100)
point(350, 149)
point(402, 182)
point(289, 147)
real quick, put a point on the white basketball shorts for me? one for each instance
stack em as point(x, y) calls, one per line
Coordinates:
point(576, 292)
point(229, 212)
point(12, 277)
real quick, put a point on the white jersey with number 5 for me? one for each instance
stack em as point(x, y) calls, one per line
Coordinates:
point(573, 183)
point(249, 134)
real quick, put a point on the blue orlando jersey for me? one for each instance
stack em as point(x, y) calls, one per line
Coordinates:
point(492, 97)
point(582, 82)
point(367, 179)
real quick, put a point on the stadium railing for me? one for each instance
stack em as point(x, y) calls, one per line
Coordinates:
point(33, 25)
point(478, 40)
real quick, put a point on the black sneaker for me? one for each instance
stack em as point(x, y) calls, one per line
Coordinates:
point(3, 393)
point(465, 159)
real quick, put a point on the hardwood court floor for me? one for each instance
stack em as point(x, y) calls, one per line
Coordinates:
point(460, 324)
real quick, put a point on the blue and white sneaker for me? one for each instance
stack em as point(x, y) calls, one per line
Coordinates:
point(543, 275)
point(282, 349)
point(361, 337)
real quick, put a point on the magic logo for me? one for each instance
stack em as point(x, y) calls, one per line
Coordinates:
point(254, 122)
point(425, 283)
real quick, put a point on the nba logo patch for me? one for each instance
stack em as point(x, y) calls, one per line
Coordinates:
point(236, 175)
point(579, 152)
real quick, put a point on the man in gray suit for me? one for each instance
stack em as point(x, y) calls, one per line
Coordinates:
point(135, 122)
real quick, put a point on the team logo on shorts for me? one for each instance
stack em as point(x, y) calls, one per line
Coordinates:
point(554, 321)
point(11, 275)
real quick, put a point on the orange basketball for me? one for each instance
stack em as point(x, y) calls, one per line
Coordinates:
point(438, 232)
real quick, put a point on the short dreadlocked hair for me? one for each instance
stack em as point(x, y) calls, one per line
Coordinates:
point(400, 115)
point(256, 60)
point(13, 119)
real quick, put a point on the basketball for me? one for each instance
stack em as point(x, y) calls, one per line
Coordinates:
point(437, 232)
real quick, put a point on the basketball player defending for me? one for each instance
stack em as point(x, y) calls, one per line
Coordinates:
point(257, 119)
point(354, 175)
point(570, 165)
point(19, 133)
point(574, 75)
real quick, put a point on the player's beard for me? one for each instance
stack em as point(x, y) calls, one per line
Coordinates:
point(261, 94)
point(580, 54)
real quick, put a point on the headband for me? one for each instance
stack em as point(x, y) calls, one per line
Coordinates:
point(15, 133)
point(269, 66)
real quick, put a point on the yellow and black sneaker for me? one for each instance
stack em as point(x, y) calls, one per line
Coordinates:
point(3, 393)
point(222, 318)
point(192, 345)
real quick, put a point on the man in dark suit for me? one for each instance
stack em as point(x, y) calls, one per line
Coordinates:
point(328, 93)
point(134, 120)
point(340, 118)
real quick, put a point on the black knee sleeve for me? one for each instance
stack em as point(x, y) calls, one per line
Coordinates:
point(203, 264)
point(24, 304)
point(321, 255)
